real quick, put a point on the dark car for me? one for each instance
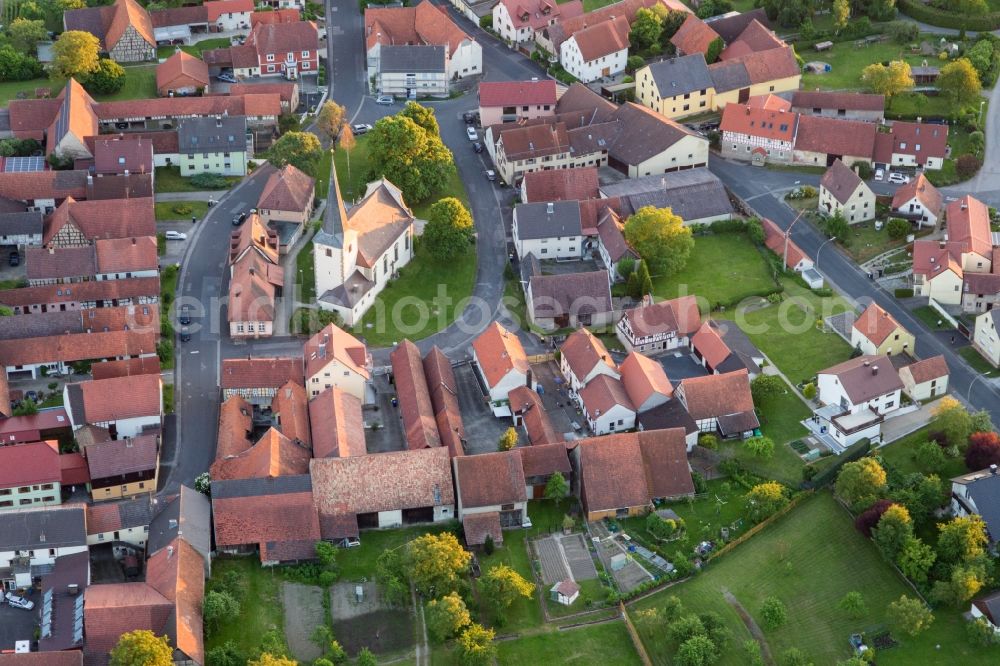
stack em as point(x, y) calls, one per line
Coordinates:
point(238, 219)
point(469, 117)
point(185, 315)
point(185, 334)
point(478, 147)
point(32, 396)
point(14, 258)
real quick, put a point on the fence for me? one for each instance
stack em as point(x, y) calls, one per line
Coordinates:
point(759, 526)
point(829, 474)
point(639, 647)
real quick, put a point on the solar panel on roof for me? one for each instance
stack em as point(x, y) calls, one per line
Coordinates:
point(24, 164)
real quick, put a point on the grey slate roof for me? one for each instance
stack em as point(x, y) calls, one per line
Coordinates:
point(192, 515)
point(571, 294)
point(334, 217)
point(694, 194)
point(212, 135)
point(25, 222)
point(670, 414)
point(985, 492)
point(729, 76)
point(730, 27)
point(278, 485)
point(40, 325)
point(534, 220)
point(49, 527)
point(679, 76)
point(416, 58)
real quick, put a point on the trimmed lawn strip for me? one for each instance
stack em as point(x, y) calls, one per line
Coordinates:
point(261, 609)
point(593, 591)
point(410, 307)
point(901, 456)
point(780, 419)
point(932, 318)
point(305, 263)
point(169, 179)
point(524, 614)
point(547, 515)
point(140, 83)
point(976, 360)
point(195, 49)
point(723, 268)
point(847, 61)
point(165, 210)
point(353, 564)
point(810, 559)
point(867, 243)
point(787, 332)
point(607, 644)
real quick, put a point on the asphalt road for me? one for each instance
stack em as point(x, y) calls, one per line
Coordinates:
point(763, 189)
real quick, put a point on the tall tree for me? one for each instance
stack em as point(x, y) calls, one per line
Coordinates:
point(423, 116)
point(910, 616)
point(300, 149)
point(218, 607)
point(953, 421)
point(841, 14)
point(861, 482)
point(347, 142)
point(644, 282)
point(330, 119)
point(475, 646)
point(142, 648)
point(24, 34)
point(436, 562)
point(647, 26)
point(983, 451)
point(962, 539)
point(890, 80)
point(660, 238)
point(447, 234)
point(894, 530)
point(765, 499)
point(959, 82)
point(715, 48)
point(412, 158)
point(75, 53)
point(502, 586)
point(446, 616)
point(916, 560)
point(107, 79)
point(556, 488)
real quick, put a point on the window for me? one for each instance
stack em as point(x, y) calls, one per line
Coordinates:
point(902, 145)
point(305, 65)
point(270, 58)
point(917, 147)
point(329, 252)
point(270, 68)
point(24, 489)
point(261, 327)
point(305, 54)
point(48, 486)
point(239, 328)
point(24, 501)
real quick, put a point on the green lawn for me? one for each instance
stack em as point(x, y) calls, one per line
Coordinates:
point(306, 274)
point(524, 614)
point(931, 317)
point(976, 360)
point(780, 419)
point(809, 560)
point(592, 592)
point(901, 456)
point(547, 515)
point(169, 179)
point(261, 610)
point(847, 62)
point(140, 83)
point(781, 416)
point(168, 285)
point(606, 644)
point(788, 334)
point(425, 299)
point(165, 210)
point(168, 398)
point(866, 242)
point(723, 268)
point(195, 49)
point(323, 177)
point(356, 563)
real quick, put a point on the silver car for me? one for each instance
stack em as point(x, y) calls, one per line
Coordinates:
point(19, 602)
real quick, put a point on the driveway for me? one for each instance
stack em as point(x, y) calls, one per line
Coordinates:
point(17, 624)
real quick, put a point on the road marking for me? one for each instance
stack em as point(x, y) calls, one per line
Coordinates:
point(194, 351)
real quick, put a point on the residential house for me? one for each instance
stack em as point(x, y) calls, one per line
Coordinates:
point(415, 407)
point(81, 223)
point(720, 403)
point(124, 258)
point(502, 365)
point(842, 192)
point(847, 105)
point(73, 119)
point(21, 229)
point(338, 426)
point(181, 74)
point(940, 267)
point(124, 467)
point(715, 355)
point(671, 414)
point(48, 423)
point(986, 607)
point(517, 22)
point(583, 357)
point(548, 230)
point(25, 358)
point(611, 244)
point(568, 300)
point(123, 155)
point(64, 658)
point(444, 399)
point(334, 357)
point(424, 25)
point(977, 494)
point(235, 428)
point(286, 203)
point(921, 145)
point(857, 394)
point(274, 516)
point(124, 29)
point(528, 411)
point(229, 14)
point(287, 91)
point(985, 337)
point(606, 405)
point(757, 135)
point(32, 538)
point(694, 36)
point(82, 295)
point(918, 201)
point(510, 101)
point(133, 366)
point(258, 379)
point(621, 474)
point(125, 521)
point(656, 328)
point(492, 484)
point(290, 413)
point(213, 145)
point(411, 71)
point(127, 406)
point(273, 455)
point(780, 243)
point(30, 475)
point(356, 253)
point(187, 514)
point(255, 280)
point(597, 51)
point(676, 87)
point(876, 332)
point(937, 273)
point(540, 462)
point(560, 185)
point(278, 49)
point(645, 382)
point(382, 490)
point(926, 379)
point(820, 140)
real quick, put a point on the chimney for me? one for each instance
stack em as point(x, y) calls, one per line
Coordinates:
point(73, 589)
point(550, 208)
point(874, 370)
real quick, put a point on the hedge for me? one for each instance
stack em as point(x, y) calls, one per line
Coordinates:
point(903, 293)
point(855, 452)
point(934, 16)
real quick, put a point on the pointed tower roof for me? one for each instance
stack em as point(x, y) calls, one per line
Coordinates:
point(335, 217)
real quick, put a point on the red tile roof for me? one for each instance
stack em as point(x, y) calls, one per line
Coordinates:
point(511, 93)
point(709, 345)
point(876, 324)
point(128, 13)
point(290, 408)
point(27, 464)
point(103, 517)
point(73, 470)
point(334, 343)
point(582, 350)
point(603, 393)
point(105, 219)
point(905, 138)
point(528, 404)
point(931, 258)
point(604, 39)
point(338, 426)
point(717, 395)
point(178, 573)
point(423, 24)
point(643, 377)
point(927, 370)
point(81, 292)
point(281, 38)
point(477, 526)
point(545, 459)
point(758, 122)
point(490, 479)
point(679, 315)
point(257, 105)
point(849, 101)
point(754, 38)
point(265, 519)
point(414, 399)
point(770, 103)
point(180, 70)
point(75, 116)
point(235, 427)
point(217, 8)
point(694, 36)
point(116, 398)
point(923, 191)
point(126, 255)
point(968, 222)
point(269, 373)
point(499, 352)
point(149, 365)
point(273, 455)
point(537, 14)
point(77, 347)
point(774, 239)
point(118, 154)
point(64, 658)
point(277, 16)
point(110, 610)
point(253, 286)
point(835, 136)
point(287, 189)
point(444, 398)
point(841, 181)
point(123, 456)
point(560, 184)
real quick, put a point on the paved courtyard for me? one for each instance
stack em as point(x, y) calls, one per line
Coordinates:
point(482, 429)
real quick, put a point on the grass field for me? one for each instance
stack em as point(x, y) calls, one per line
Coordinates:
point(810, 559)
point(165, 210)
point(847, 62)
point(195, 49)
point(723, 268)
point(976, 360)
point(866, 242)
point(305, 264)
point(423, 300)
point(356, 563)
point(169, 179)
point(606, 644)
point(901, 456)
point(261, 610)
point(931, 317)
point(780, 419)
point(787, 332)
point(140, 83)
point(524, 614)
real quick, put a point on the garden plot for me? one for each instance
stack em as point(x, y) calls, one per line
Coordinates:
point(365, 620)
point(303, 613)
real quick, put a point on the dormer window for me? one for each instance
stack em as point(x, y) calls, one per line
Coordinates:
point(270, 57)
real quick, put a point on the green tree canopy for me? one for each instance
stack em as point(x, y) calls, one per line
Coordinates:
point(765, 387)
point(448, 230)
point(861, 482)
point(446, 616)
point(959, 82)
point(773, 613)
point(910, 616)
point(962, 539)
point(300, 149)
point(412, 158)
point(24, 34)
point(423, 116)
point(890, 80)
point(142, 648)
point(893, 531)
point(502, 586)
point(107, 79)
point(330, 119)
point(916, 560)
point(475, 646)
point(75, 53)
point(217, 608)
point(696, 651)
point(765, 499)
point(436, 562)
point(660, 238)
point(647, 26)
point(556, 488)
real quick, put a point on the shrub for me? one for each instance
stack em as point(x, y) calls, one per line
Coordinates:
point(966, 166)
point(903, 293)
point(868, 519)
point(897, 228)
point(210, 181)
point(182, 209)
point(864, 168)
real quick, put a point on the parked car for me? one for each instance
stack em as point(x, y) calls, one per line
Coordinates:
point(14, 259)
point(227, 77)
point(526, 523)
point(19, 602)
point(32, 396)
point(469, 117)
point(471, 133)
point(478, 147)
point(385, 100)
point(238, 219)
point(176, 235)
point(491, 175)
point(361, 128)
point(185, 315)
point(185, 334)
point(879, 175)
point(898, 178)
